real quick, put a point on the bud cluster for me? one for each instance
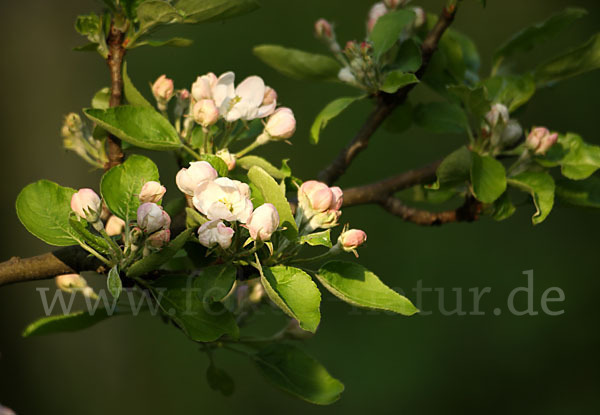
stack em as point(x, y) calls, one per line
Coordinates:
point(77, 139)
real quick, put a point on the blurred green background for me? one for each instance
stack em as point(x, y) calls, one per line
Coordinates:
point(424, 364)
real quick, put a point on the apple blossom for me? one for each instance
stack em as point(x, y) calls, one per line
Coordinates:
point(115, 226)
point(323, 29)
point(223, 198)
point(352, 239)
point(188, 179)
point(87, 205)
point(223, 91)
point(540, 140)
point(270, 96)
point(151, 217)
point(345, 75)
point(394, 4)
point(203, 87)
point(227, 157)
point(317, 197)
point(74, 283)
point(163, 89)
point(378, 10)
point(6, 411)
point(280, 126)
point(498, 113)
point(159, 239)
point(152, 192)
point(215, 232)
point(205, 112)
point(263, 222)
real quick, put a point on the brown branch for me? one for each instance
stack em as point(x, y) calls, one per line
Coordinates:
point(116, 52)
point(380, 191)
point(468, 212)
point(386, 104)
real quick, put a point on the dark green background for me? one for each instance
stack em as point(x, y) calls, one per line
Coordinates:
point(419, 365)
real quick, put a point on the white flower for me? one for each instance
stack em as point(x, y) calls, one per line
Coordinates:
point(188, 179)
point(151, 217)
point(152, 192)
point(246, 101)
point(263, 222)
point(87, 204)
point(203, 87)
point(223, 198)
point(223, 91)
point(215, 232)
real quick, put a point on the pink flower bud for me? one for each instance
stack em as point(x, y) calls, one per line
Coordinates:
point(338, 198)
point(227, 157)
point(188, 179)
point(183, 94)
point(70, 282)
point(87, 205)
point(202, 88)
point(378, 10)
point(152, 192)
point(205, 112)
point(159, 239)
point(215, 232)
point(115, 226)
point(315, 196)
point(365, 47)
point(323, 29)
point(352, 239)
point(281, 124)
point(151, 217)
point(540, 140)
point(163, 89)
point(263, 222)
point(270, 96)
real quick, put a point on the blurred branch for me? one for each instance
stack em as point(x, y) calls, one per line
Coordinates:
point(116, 53)
point(468, 212)
point(387, 103)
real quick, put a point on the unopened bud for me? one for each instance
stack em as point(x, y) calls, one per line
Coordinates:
point(115, 226)
point(87, 205)
point(323, 29)
point(282, 124)
point(163, 89)
point(498, 113)
point(421, 17)
point(202, 88)
point(263, 222)
point(205, 112)
point(345, 75)
point(151, 217)
point(227, 157)
point(540, 140)
point(352, 239)
point(378, 10)
point(159, 239)
point(511, 134)
point(73, 123)
point(152, 192)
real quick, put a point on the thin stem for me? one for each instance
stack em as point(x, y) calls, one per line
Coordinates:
point(96, 254)
point(248, 149)
point(191, 152)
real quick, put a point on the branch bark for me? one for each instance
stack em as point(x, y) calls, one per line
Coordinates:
point(116, 53)
point(468, 212)
point(386, 104)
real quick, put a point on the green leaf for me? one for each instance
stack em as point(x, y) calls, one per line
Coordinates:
point(177, 42)
point(113, 282)
point(358, 286)
point(272, 194)
point(132, 95)
point(488, 177)
point(43, 208)
point(511, 90)
point(331, 110)
point(584, 193)
point(91, 26)
point(156, 259)
point(441, 118)
point(539, 33)
point(322, 238)
point(503, 208)
point(475, 100)
point(291, 369)
point(154, 12)
point(219, 380)
point(80, 227)
point(454, 169)
point(217, 163)
point(578, 160)
point(541, 187)
point(197, 11)
point(409, 57)
point(101, 99)
point(576, 62)
point(215, 282)
point(388, 29)
point(397, 79)
point(200, 321)
point(298, 64)
point(248, 162)
point(140, 126)
point(292, 290)
point(65, 323)
point(122, 184)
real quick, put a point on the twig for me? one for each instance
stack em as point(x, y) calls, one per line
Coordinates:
point(468, 212)
point(116, 52)
point(386, 103)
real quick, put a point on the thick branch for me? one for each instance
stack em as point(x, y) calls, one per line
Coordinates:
point(468, 212)
point(380, 191)
point(386, 104)
point(115, 65)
